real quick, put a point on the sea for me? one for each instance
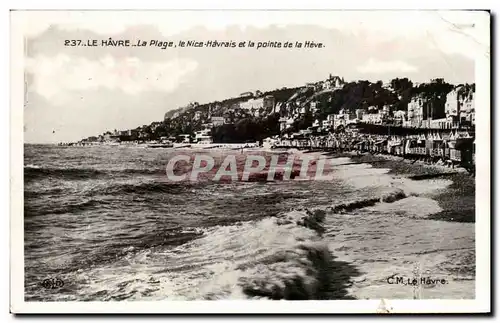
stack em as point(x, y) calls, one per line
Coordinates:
point(108, 224)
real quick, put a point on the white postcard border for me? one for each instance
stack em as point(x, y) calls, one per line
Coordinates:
point(483, 239)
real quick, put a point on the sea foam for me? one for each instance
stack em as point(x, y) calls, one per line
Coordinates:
point(280, 257)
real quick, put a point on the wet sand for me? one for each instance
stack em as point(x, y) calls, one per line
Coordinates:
point(430, 233)
point(457, 201)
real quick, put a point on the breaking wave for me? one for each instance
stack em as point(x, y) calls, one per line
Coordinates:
point(280, 257)
point(387, 197)
point(293, 270)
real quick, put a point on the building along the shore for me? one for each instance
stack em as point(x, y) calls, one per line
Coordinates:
point(333, 83)
point(286, 123)
point(257, 106)
point(460, 106)
point(399, 117)
point(426, 112)
point(467, 111)
point(203, 136)
point(452, 107)
point(218, 121)
point(185, 138)
point(343, 118)
point(246, 95)
point(329, 123)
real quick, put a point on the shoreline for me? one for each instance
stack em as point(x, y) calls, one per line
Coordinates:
point(429, 167)
point(457, 200)
point(457, 203)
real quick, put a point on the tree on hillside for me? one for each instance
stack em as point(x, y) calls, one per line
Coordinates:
point(466, 90)
point(436, 89)
point(403, 88)
point(401, 85)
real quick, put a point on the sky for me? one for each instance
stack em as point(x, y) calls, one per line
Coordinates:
point(75, 92)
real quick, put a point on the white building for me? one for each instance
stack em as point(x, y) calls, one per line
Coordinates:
point(217, 121)
point(460, 106)
point(442, 123)
point(285, 123)
point(333, 83)
point(277, 107)
point(252, 104)
point(344, 118)
point(203, 136)
point(415, 111)
point(185, 138)
point(268, 102)
point(197, 115)
point(329, 122)
point(246, 94)
point(452, 105)
point(400, 116)
point(468, 108)
point(372, 118)
point(359, 114)
point(314, 106)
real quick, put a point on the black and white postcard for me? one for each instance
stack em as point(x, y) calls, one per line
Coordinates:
point(286, 161)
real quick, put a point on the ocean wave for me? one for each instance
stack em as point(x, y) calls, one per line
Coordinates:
point(286, 258)
point(33, 172)
point(280, 257)
point(32, 166)
point(58, 200)
point(142, 171)
point(140, 188)
point(32, 194)
point(390, 196)
point(69, 207)
point(415, 207)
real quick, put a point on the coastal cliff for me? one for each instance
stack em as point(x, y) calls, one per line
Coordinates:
point(326, 106)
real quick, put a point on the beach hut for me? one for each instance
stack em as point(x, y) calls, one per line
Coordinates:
point(435, 146)
point(419, 148)
point(379, 145)
point(395, 145)
point(452, 140)
point(464, 150)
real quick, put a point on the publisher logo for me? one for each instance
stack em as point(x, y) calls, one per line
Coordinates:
point(413, 281)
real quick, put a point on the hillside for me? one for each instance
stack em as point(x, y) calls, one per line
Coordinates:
point(241, 120)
